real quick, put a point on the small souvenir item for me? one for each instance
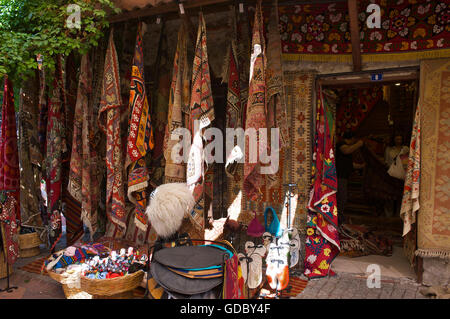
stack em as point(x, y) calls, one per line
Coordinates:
point(130, 251)
point(122, 252)
point(113, 255)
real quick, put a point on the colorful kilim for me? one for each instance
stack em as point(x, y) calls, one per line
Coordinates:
point(276, 106)
point(9, 156)
point(83, 184)
point(140, 136)
point(109, 122)
point(295, 163)
point(255, 117)
point(198, 178)
point(54, 151)
point(409, 30)
point(355, 106)
point(237, 77)
point(178, 100)
point(433, 218)
point(322, 241)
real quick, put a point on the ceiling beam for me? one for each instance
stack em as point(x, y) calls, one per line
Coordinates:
point(354, 33)
point(221, 5)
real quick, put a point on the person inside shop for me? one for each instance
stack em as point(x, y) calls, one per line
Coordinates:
point(344, 167)
point(397, 148)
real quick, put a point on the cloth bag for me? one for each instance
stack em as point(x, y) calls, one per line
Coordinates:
point(275, 227)
point(396, 169)
point(255, 229)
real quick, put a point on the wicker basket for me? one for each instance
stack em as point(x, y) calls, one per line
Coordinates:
point(29, 245)
point(3, 273)
point(68, 292)
point(115, 288)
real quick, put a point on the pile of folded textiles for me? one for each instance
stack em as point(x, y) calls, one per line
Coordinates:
point(360, 240)
point(95, 261)
point(115, 264)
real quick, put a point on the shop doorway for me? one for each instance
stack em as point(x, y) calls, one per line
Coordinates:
point(378, 116)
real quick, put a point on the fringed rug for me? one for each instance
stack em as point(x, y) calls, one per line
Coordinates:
point(295, 164)
point(434, 213)
point(35, 267)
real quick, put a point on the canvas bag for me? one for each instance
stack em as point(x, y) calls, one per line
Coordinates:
point(396, 169)
point(275, 227)
point(255, 229)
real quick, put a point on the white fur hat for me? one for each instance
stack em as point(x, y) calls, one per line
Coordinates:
point(168, 204)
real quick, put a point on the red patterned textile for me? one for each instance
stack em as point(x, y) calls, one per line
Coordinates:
point(9, 229)
point(9, 156)
point(322, 241)
point(409, 30)
point(109, 122)
point(255, 117)
point(355, 106)
point(199, 179)
point(83, 184)
point(54, 156)
point(140, 137)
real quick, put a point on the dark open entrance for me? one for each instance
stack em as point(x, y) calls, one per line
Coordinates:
point(369, 199)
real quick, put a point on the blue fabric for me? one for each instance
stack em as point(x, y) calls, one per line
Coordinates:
point(275, 227)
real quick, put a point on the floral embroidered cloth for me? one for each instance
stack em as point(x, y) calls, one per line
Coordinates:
point(109, 122)
point(409, 29)
point(410, 201)
point(140, 137)
point(322, 241)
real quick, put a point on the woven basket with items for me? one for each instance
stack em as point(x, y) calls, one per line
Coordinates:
point(96, 272)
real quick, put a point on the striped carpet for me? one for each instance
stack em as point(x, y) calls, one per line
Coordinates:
point(35, 267)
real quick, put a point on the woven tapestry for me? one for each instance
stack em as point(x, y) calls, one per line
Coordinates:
point(109, 121)
point(410, 29)
point(199, 176)
point(178, 101)
point(54, 149)
point(140, 137)
point(83, 184)
point(255, 115)
point(322, 241)
point(433, 218)
point(355, 106)
point(295, 162)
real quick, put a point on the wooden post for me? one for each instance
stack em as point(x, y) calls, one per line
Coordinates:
point(354, 33)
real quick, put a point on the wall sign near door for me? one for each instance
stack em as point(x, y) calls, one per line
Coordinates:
point(377, 77)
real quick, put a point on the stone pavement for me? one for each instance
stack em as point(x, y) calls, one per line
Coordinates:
point(354, 286)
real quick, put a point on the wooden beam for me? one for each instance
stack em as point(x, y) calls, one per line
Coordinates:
point(354, 33)
point(162, 9)
point(192, 4)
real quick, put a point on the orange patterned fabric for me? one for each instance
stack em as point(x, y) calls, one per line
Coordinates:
point(140, 136)
point(255, 117)
point(109, 122)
